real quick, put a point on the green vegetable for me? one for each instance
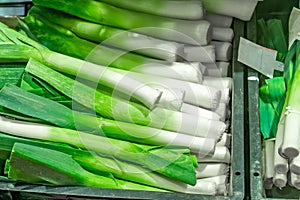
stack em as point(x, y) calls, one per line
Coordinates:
point(24, 48)
point(290, 145)
point(103, 104)
point(196, 32)
point(182, 9)
point(97, 163)
point(27, 163)
point(64, 41)
point(178, 166)
point(22, 101)
point(109, 36)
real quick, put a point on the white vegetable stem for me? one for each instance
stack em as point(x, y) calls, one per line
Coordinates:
point(145, 45)
point(201, 112)
point(269, 159)
point(225, 141)
point(219, 20)
point(180, 71)
point(196, 94)
point(295, 180)
point(196, 32)
point(269, 163)
point(223, 50)
point(203, 187)
point(211, 170)
point(205, 54)
point(280, 180)
point(171, 100)
point(291, 145)
point(222, 34)
point(199, 66)
point(187, 124)
point(241, 9)
point(218, 69)
point(223, 84)
point(220, 181)
point(218, 82)
point(101, 74)
point(153, 136)
point(223, 111)
point(281, 164)
point(221, 155)
point(295, 165)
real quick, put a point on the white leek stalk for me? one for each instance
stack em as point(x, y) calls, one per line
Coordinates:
point(280, 180)
point(225, 141)
point(180, 71)
point(219, 20)
point(281, 164)
point(205, 54)
point(202, 187)
point(222, 34)
point(196, 94)
point(211, 170)
point(222, 111)
point(291, 138)
point(295, 180)
point(170, 99)
point(201, 112)
point(241, 9)
point(269, 163)
point(218, 69)
point(199, 66)
point(186, 123)
point(221, 155)
point(220, 181)
point(223, 50)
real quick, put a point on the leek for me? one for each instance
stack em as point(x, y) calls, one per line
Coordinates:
point(195, 94)
point(223, 50)
point(52, 170)
point(211, 170)
point(21, 101)
point(170, 8)
point(111, 36)
point(98, 164)
point(120, 149)
point(64, 41)
point(194, 32)
point(24, 48)
point(159, 118)
point(219, 69)
point(241, 9)
point(201, 112)
point(219, 20)
point(222, 34)
point(205, 54)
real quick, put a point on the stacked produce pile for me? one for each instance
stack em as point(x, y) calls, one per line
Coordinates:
point(279, 110)
point(146, 109)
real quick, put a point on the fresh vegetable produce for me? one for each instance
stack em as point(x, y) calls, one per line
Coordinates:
point(195, 32)
point(131, 152)
point(64, 41)
point(55, 172)
point(129, 113)
point(24, 48)
point(241, 9)
point(171, 8)
point(219, 20)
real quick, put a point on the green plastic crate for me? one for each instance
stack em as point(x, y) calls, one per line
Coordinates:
point(10, 190)
point(267, 9)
